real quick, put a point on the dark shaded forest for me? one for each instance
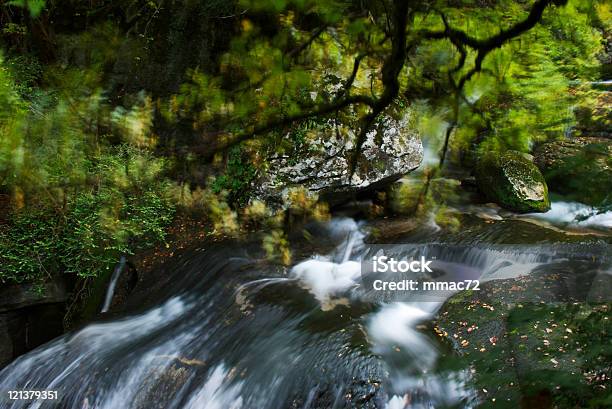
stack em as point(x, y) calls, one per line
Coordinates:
point(116, 114)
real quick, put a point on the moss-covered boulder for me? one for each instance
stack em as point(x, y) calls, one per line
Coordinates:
point(513, 181)
point(578, 167)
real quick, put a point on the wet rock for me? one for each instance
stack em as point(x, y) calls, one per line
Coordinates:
point(595, 119)
point(513, 181)
point(164, 382)
point(30, 315)
point(16, 296)
point(322, 165)
point(533, 336)
point(579, 167)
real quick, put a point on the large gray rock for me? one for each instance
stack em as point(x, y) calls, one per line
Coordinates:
point(391, 150)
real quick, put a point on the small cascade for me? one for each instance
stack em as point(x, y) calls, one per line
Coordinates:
point(216, 394)
point(574, 214)
point(393, 331)
point(431, 158)
point(228, 331)
point(568, 128)
point(110, 292)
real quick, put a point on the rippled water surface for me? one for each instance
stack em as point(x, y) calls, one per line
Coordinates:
point(231, 331)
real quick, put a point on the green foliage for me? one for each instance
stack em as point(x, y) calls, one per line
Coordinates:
point(79, 199)
point(34, 7)
point(27, 247)
point(87, 239)
point(102, 227)
point(522, 94)
point(259, 78)
point(86, 117)
point(237, 178)
point(26, 70)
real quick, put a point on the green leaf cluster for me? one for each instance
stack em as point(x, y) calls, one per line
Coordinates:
point(81, 180)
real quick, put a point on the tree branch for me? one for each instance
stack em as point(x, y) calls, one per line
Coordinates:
point(485, 46)
point(390, 72)
point(298, 50)
point(217, 145)
point(351, 79)
point(496, 41)
point(391, 69)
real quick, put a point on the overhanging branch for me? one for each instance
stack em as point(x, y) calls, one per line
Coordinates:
point(391, 69)
point(217, 145)
point(483, 47)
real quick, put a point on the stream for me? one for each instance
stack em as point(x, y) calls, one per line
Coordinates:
point(229, 330)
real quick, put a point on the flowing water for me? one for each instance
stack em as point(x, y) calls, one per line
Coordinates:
point(227, 330)
point(575, 214)
point(113, 283)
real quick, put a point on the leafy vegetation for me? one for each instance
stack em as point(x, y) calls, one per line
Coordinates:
point(77, 202)
point(237, 178)
point(115, 113)
point(86, 240)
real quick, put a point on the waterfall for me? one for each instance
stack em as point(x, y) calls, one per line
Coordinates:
point(113, 283)
point(568, 128)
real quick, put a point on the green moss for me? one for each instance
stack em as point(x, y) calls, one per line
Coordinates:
point(513, 181)
point(530, 353)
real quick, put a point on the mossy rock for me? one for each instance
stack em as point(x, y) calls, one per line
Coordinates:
point(528, 345)
point(513, 181)
point(580, 168)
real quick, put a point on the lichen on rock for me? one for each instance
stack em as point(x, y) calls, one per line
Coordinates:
point(322, 165)
point(513, 181)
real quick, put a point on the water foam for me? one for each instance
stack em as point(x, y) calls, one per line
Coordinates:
point(574, 213)
point(326, 279)
point(218, 392)
point(395, 326)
